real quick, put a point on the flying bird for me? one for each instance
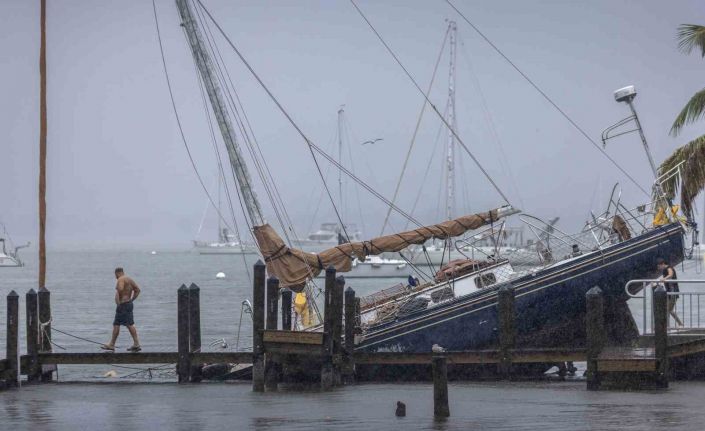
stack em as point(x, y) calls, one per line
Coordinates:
point(372, 141)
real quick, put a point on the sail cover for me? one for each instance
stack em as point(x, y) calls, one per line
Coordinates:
point(293, 267)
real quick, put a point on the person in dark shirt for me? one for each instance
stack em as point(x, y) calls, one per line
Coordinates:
point(669, 273)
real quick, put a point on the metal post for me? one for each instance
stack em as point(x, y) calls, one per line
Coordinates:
point(194, 329)
point(595, 330)
point(44, 298)
point(258, 313)
point(270, 365)
point(507, 331)
point(661, 335)
point(440, 386)
point(33, 371)
point(182, 333)
point(12, 343)
point(327, 378)
point(349, 367)
point(286, 309)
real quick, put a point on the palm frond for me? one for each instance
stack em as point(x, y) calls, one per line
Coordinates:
point(691, 36)
point(692, 182)
point(692, 111)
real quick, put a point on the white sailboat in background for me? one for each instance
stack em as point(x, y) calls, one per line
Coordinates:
point(9, 256)
point(227, 243)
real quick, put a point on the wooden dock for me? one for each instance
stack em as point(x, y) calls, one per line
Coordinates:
point(281, 355)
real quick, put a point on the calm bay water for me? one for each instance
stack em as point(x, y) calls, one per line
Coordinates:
point(82, 286)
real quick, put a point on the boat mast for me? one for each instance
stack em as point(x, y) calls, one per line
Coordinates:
point(210, 81)
point(340, 160)
point(42, 147)
point(450, 162)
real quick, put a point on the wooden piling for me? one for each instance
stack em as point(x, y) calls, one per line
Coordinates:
point(440, 386)
point(12, 343)
point(258, 315)
point(350, 322)
point(270, 366)
point(660, 300)
point(286, 309)
point(507, 329)
point(194, 329)
point(44, 302)
point(338, 348)
point(32, 316)
point(327, 373)
point(182, 315)
point(595, 331)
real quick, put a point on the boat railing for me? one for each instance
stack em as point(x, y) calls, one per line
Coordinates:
point(685, 313)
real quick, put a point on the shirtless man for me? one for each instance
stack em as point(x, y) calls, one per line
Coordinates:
point(126, 291)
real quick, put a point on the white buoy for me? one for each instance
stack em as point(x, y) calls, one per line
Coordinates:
point(110, 373)
point(153, 252)
point(220, 275)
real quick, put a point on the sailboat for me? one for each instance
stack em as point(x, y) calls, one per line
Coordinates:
point(10, 257)
point(457, 309)
point(227, 242)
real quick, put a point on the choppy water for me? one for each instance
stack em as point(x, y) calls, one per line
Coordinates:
point(82, 286)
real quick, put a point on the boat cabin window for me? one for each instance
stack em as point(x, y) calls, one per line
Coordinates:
point(484, 280)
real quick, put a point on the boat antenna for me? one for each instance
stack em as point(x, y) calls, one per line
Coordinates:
point(435, 109)
point(548, 99)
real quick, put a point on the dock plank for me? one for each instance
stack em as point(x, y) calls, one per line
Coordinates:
point(141, 358)
point(292, 337)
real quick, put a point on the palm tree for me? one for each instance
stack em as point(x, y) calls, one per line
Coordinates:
point(690, 37)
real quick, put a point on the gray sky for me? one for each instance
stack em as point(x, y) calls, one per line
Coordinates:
point(118, 172)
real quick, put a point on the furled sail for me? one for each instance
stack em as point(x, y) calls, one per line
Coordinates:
point(293, 267)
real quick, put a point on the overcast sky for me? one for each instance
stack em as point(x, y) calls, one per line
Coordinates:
point(118, 173)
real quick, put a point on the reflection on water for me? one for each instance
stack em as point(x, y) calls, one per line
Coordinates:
point(515, 406)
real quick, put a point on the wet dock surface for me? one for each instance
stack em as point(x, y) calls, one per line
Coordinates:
point(496, 406)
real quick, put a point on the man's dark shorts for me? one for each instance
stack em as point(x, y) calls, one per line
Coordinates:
point(123, 315)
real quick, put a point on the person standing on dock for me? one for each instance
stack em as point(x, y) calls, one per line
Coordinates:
point(669, 273)
point(126, 291)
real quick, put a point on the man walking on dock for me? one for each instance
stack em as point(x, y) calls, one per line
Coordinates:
point(126, 291)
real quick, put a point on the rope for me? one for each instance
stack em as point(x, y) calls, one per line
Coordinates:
point(548, 99)
point(178, 119)
point(416, 131)
point(450, 128)
point(311, 146)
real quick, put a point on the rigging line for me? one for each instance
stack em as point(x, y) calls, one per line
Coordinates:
point(416, 131)
point(346, 127)
point(428, 168)
point(230, 110)
point(235, 112)
point(548, 99)
point(318, 167)
point(310, 144)
point(255, 149)
point(178, 119)
point(449, 126)
point(240, 198)
point(504, 160)
point(221, 176)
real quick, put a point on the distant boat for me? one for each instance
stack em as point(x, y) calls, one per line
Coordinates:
point(226, 244)
point(329, 235)
point(10, 258)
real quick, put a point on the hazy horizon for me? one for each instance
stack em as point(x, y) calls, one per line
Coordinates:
point(118, 174)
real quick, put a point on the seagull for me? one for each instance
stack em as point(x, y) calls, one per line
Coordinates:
point(372, 141)
point(437, 349)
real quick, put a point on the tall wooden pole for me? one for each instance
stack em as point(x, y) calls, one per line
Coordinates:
point(42, 147)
